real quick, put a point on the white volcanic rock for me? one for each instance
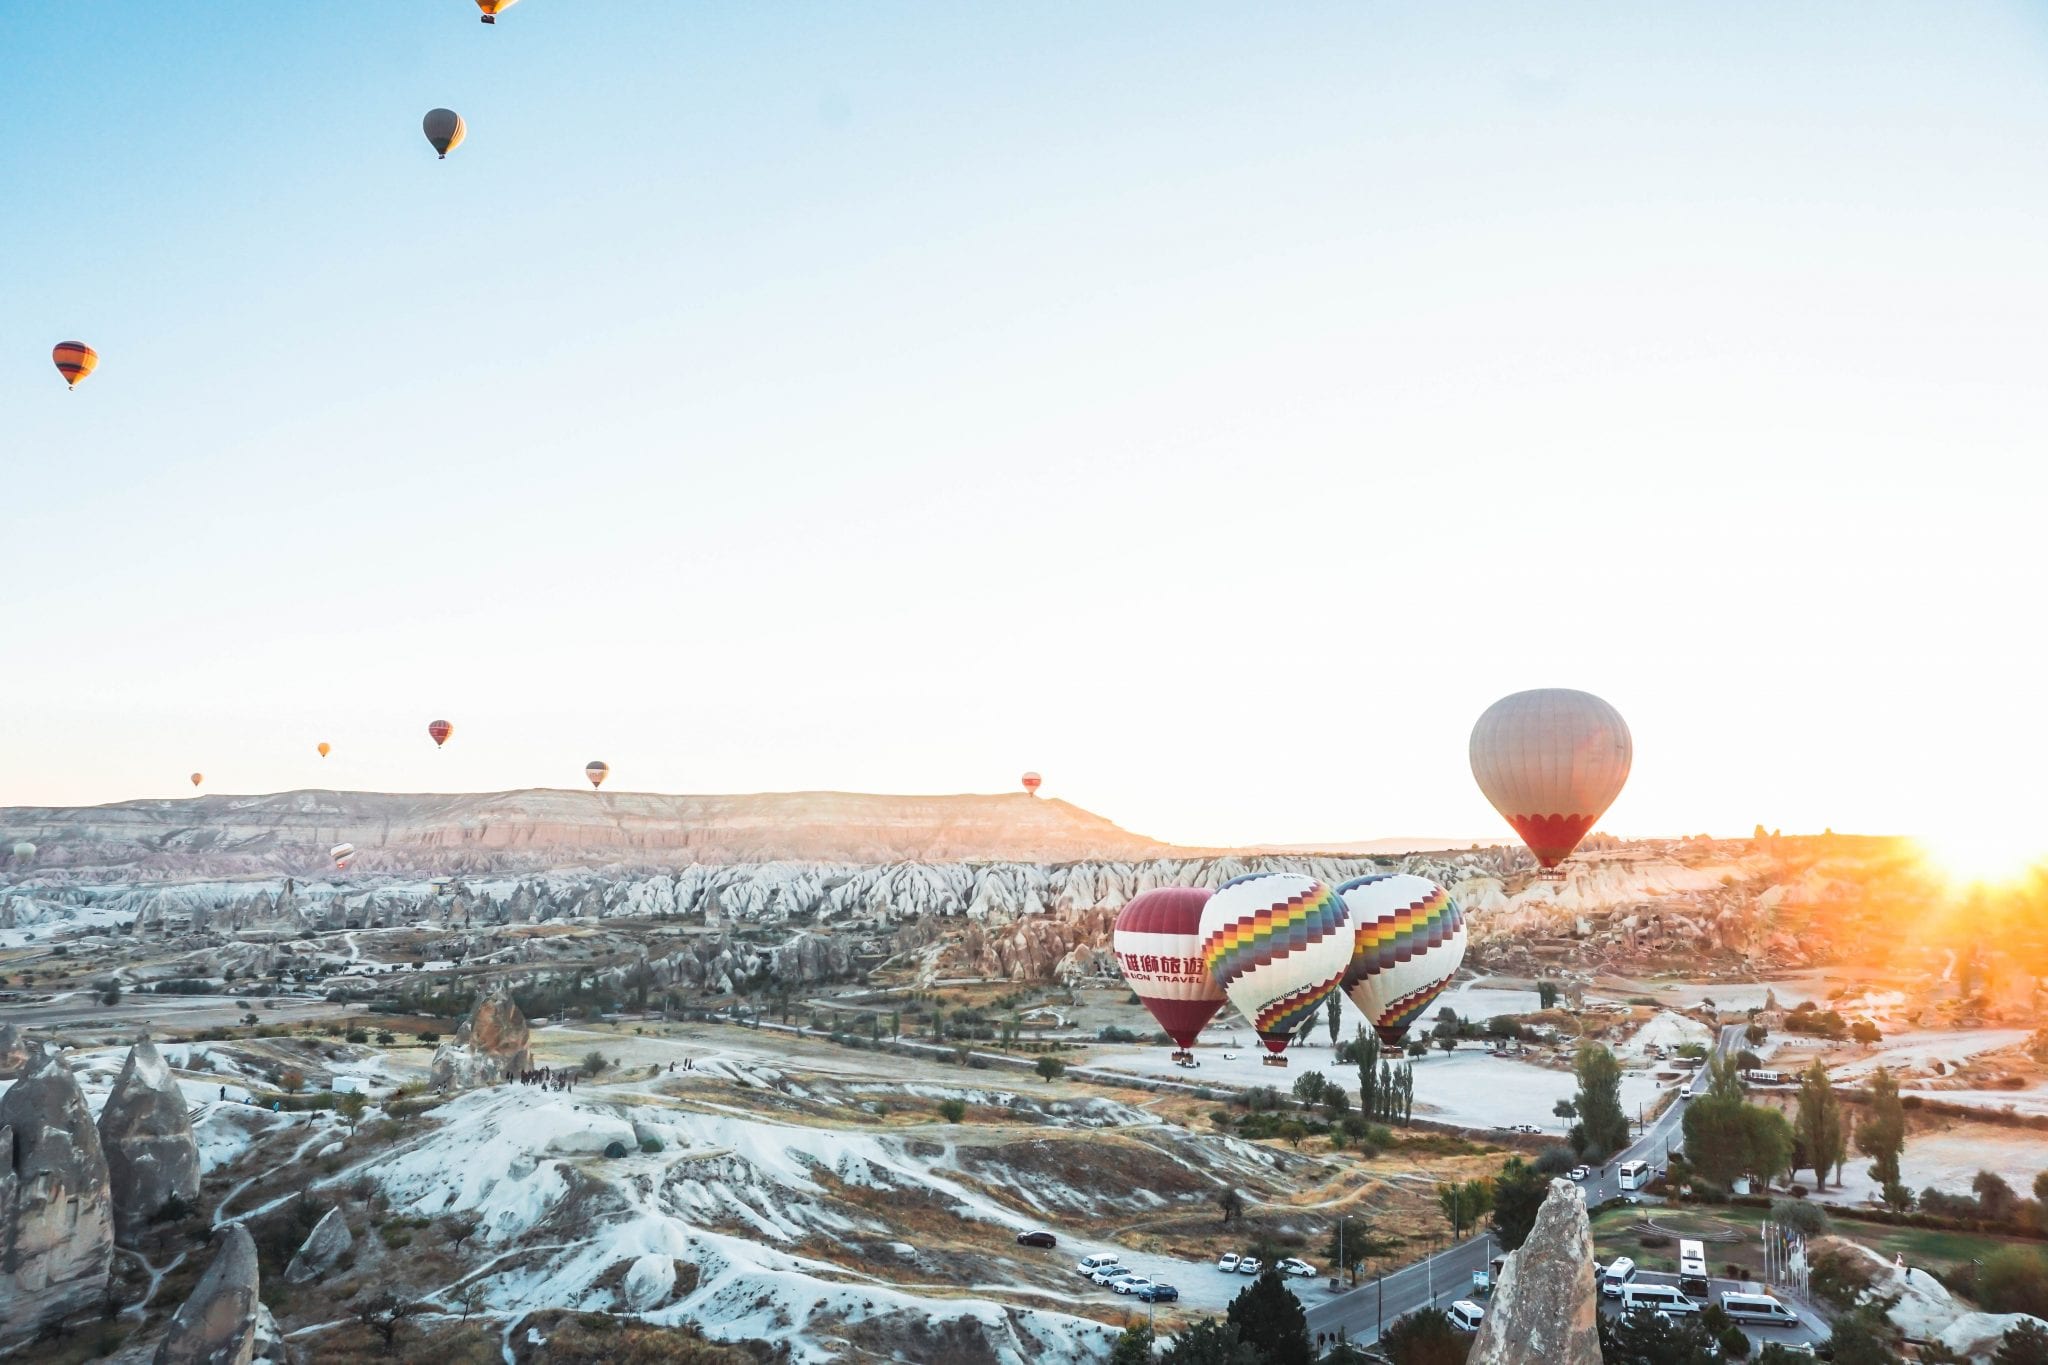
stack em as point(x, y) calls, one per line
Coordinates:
point(323, 1246)
point(56, 1216)
point(147, 1137)
point(1545, 1310)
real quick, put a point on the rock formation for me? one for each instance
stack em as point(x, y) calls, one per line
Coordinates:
point(490, 1047)
point(56, 1216)
point(1921, 1306)
point(14, 1050)
point(1545, 1309)
point(323, 1247)
point(147, 1137)
point(217, 1324)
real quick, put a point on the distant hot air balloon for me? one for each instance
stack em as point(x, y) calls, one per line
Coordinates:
point(323, 746)
point(24, 852)
point(1277, 943)
point(1031, 783)
point(1158, 944)
point(75, 360)
point(444, 129)
point(596, 770)
point(1551, 762)
point(341, 853)
point(493, 8)
point(1408, 938)
point(197, 778)
point(439, 730)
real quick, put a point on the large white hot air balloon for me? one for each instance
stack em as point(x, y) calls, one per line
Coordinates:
point(1408, 940)
point(1551, 762)
point(1158, 944)
point(1277, 943)
point(24, 852)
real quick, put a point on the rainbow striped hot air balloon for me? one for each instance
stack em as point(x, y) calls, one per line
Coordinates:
point(1277, 943)
point(1408, 941)
point(1158, 944)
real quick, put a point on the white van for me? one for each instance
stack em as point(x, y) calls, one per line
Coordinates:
point(1090, 1264)
point(1657, 1298)
point(1617, 1276)
point(1692, 1258)
point(1467, 1315)
point(1758, 1308)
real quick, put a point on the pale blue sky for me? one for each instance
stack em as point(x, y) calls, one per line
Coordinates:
point(1213, 406)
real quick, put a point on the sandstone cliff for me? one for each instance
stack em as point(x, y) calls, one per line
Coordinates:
point(1545, 1311)
point(490, 1047)
point(147, 1137)
point(216, 1325)
point(56, 1216)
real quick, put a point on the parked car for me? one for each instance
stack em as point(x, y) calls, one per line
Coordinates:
point(1227, 1261)
point(1037, 1239)
point(1581, 1172)
point(1292, 1266)
point(1250, 1265)
point(1090, 1264)
point(1131, 1284)
point(1527, 1128)
point(1108, 1274)
point(1159, 1293)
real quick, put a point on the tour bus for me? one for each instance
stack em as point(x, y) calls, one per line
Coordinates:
point(1635, 1174)
point(1692, 1257)
point(1758, 1308)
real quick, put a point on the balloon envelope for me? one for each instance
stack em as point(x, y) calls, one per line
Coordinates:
point(597, 770)
point(341, 853)
point(323, 746)
point(75, 360)
point(1031, 782)
point(444, 129)
point(1551, 762)
point(197, 778)
point(1158, 944)
point(493, 8)
point(1277, 943)
point(24, 851)
point(1408, 941)
point(439, 730)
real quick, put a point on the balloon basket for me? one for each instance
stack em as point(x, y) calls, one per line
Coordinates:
point(1549, 874)
point(1275, 1061)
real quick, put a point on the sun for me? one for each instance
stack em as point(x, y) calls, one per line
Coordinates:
point(1985, 854)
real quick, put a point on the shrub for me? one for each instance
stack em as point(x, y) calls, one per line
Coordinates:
point(650, 1145)
point(953, 1110)
point(2014, 1279)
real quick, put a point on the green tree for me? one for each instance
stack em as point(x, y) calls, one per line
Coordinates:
point(1050, 1068)
point(1881, 1136)
point(1653, 1339)
point(2014, 1279)
point(1335, 1102)
point(1808, 1220)
point(1425, 1337)
point(1602, 1129)
point(1518, 1192)
point(1819, 1123)
point(1134, 1347)
point(1365, 1050)
point(1231, 1204)
point(1309, 1087)
point(2041, 1188)
point(1333, 1014)
point(1546, 994)
point(595, 1062)
point(1266, 1313)
point(1995, 1197)
point(1210, 1341)
point(952, 1110)
point(1464, 1203)
point(292, 1081)
point(2025, 1344)
point(1864, 1336)
point(351, 1106)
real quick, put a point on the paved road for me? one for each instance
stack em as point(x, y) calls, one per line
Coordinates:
point(1447, 1276)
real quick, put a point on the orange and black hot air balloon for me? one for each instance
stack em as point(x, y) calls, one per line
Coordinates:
point(493, 8)
point(444, 129)
point(439, 730)
point(75, 360)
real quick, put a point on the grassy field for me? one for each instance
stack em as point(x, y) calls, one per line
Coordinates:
point(1615, 1234)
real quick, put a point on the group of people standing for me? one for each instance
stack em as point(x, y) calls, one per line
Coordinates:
point(549, 1078)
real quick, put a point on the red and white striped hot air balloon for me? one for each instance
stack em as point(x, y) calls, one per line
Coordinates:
point(1277, 943)
point(1158, 944)
point(1551, 762)
point(1031, 782)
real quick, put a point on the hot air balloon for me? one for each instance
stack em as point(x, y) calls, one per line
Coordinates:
point(323, 746)
point(1031, 782)
point(24, 851)
point(1551, 762)
point(75, 360)
point(445, 129)
point(1158, 944)
point(197, 778)
point(341, 853)
point(596, 770)
point(493, 8)
point(1277, 943)
point(1408, 937)
point(439, 730)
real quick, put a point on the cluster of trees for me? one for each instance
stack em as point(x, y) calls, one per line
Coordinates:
point(1602, 1127)
point(1386, 1089)
point(1727, 1138)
